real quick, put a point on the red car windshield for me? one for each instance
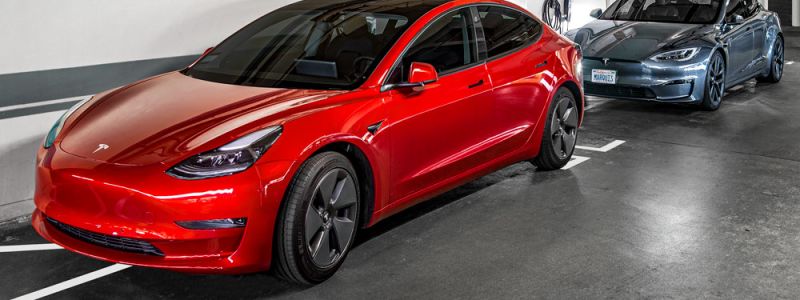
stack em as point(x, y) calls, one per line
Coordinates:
point(334, 48)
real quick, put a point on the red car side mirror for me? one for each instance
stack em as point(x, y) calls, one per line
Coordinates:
point(422, 73)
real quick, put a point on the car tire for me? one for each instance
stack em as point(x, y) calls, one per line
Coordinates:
point(715, 83)
point(312, 223)
point(560, 132)
point(776, 67)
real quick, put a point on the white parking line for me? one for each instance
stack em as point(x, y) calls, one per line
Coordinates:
point(23, 248)
point(576, 160)
point(604, 149)
point(74, 282)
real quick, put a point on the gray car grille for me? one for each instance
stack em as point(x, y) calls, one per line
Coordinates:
point(610, 90)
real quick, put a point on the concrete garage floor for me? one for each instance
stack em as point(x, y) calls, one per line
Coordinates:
point(694, 204)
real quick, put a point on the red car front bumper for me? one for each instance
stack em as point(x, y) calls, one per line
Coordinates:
point(80, 202)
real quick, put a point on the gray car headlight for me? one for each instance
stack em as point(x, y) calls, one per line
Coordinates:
point(676, 55)
point(229, 159)
point(56, 130)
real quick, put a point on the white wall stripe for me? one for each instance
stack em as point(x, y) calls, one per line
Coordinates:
point(43, 103)
point(25, 248)
point(604, 149)
point(73, 282)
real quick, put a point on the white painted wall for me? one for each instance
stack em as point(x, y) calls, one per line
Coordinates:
point(53, 34)
point(580, 9)
point(21, 138)
point(50, 34)
point(522, 3)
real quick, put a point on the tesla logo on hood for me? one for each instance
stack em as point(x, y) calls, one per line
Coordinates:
point(101, 147)
point(606, 60)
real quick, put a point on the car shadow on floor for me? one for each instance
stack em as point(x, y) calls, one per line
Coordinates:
point(639, 106)
point(739, 93)
point(443, 200)
point(161, 283)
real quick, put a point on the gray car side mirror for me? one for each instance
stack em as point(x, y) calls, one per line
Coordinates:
point(736, 19)
point(596, 13)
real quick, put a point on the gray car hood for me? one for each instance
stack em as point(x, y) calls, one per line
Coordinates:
point(627, 40)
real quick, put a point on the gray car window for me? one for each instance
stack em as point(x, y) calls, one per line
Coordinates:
point(744, 8)
point(670, 11)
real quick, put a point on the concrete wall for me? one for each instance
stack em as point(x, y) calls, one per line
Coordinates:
point(580, 9)
point(54, 34)
point(63, 34)
point(784, 10)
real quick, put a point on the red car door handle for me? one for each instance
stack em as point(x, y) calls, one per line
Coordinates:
point(542, 65)
point(477, 84)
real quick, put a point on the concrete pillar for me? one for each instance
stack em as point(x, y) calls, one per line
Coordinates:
point(795, 12)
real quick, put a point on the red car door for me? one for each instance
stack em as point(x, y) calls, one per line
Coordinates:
point(438, 133)
point(520, 71)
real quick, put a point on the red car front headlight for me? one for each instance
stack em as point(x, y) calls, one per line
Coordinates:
point(229, 159)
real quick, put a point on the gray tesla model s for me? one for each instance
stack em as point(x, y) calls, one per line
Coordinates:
point(681, 51)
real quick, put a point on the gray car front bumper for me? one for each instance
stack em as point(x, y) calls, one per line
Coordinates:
point(678, 82)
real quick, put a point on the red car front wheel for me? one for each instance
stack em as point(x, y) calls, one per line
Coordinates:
point(318, 221)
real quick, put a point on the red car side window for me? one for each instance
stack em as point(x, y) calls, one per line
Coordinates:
point(448, 44)
point(507, 30)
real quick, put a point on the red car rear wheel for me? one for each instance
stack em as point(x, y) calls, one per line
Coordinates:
point(560, 133)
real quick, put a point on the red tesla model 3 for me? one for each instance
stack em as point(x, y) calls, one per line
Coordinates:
point(314, 121)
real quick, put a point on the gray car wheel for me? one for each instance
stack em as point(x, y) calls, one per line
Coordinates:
point(777, 63)
point(715, 83)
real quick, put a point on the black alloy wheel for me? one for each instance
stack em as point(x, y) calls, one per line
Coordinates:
point(318, 221)
point(561, 132)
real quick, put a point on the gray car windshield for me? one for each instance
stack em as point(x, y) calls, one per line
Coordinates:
point(668, 11)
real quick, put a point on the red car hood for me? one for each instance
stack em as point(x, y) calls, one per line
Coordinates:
point(169, 116)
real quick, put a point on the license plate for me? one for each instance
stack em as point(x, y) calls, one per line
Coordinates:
point(604, 76)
